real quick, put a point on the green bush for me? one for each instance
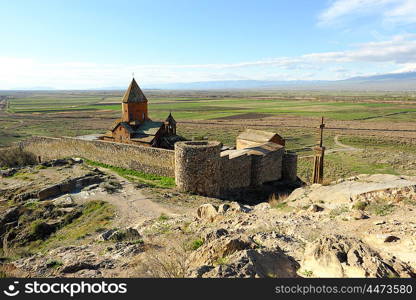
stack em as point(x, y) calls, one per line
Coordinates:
point(360, 205)
point(380, 208)
point(163, 218)
point(53, 264)
point(196, 244)
point(41, 230)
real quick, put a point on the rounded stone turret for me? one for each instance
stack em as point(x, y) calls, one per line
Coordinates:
point(197, 167)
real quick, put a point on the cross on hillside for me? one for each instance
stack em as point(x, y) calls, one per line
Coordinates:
point(322, 126)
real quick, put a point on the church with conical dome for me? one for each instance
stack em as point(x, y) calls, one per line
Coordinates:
point(135, 126)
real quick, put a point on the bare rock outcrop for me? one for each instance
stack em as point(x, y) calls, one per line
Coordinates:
point(253, 263)
point(216, 250)
point(348, 191)
point(68, 261)
point(207, 212)
point(339, 256)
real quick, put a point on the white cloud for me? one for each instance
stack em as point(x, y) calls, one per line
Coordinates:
point(411, 67)
point(400, 49)
point(392, 11)
point(396, 54)
point(403, 13)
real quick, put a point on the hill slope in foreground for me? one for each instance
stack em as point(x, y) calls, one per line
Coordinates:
point(66, 218)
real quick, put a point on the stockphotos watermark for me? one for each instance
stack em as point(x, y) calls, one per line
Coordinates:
point(71, 289)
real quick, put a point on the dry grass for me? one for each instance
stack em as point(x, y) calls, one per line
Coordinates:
point(277, 201)
point(168, 261)
point(326, 181)
point(15, 157)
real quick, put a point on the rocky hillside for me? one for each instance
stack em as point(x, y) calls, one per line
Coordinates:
point(66, 218)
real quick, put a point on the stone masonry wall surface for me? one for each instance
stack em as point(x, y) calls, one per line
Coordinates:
point(145, 159)
point(235, 172)
point(267, 168)
point(198, 167)
point(289, 167)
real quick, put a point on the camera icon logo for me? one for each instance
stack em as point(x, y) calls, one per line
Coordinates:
point(11, 290)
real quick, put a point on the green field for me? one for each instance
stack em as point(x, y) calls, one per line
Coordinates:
point(195, 108)
point(224, 114)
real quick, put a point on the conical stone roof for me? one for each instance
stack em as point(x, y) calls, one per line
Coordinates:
point(134, 94)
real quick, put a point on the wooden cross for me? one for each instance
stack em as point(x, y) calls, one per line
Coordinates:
point(322, 126)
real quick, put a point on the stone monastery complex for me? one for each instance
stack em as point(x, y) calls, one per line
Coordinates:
point(204, 167)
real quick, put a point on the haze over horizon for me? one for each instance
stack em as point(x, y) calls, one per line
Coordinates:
point(96, 44)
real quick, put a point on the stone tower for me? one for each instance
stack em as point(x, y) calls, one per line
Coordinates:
point(198, 167)
point(134, 105)
point(170, 125)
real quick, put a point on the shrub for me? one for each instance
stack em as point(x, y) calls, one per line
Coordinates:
point(380, 209)
point(15, 157)
point(195, 244)
point(307, 273)
point(221, 261)
point(41, 230)
point(53, 264)
point(338, 211)
point(163, 218)
point(111, 186)
point(31, 204)
point(360, 205)
point(165, 262)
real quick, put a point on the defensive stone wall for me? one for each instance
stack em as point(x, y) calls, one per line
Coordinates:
point(145, 159)
point(235, 172)
point(198, 166)
point(290, 167)
point(267, 168)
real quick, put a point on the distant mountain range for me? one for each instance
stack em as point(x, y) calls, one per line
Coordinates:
point(384, 82)
point(390, 82)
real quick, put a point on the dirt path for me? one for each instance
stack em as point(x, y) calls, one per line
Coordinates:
point(132, 206)
point(342, 148)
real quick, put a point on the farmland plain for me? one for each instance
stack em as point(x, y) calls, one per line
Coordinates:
point(380, 125)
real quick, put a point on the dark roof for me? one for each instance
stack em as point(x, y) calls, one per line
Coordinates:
point(149, 128)
point(127, 126)
point(134, 94)
point(115, 124)
point(144, 133)
point(144, 138)
point(170, 119)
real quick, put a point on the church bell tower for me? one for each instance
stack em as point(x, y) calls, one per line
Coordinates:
point(134, 105)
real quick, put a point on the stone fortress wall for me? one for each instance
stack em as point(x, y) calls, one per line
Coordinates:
point(145, 159)
point(198, 166)
point(201, 167)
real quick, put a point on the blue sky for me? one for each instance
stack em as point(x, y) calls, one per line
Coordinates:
point(92, 44)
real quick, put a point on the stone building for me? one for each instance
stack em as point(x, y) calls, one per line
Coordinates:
point(135, 126)
point(253, 138)
point(198, 166)
point(201, 167)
